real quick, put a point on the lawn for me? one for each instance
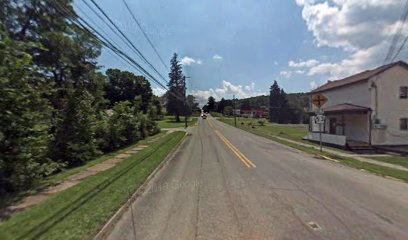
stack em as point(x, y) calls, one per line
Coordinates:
point(296, 133)
point(59, 177)
point(402, 161)
point(291, 131)
point(170, 122)
point(78, 212)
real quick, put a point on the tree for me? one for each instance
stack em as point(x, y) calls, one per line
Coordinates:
point(274, 102)
point(228, 111)
point(211, 103)
point(192, 104)
point(74, 138)
point(176, 103)
point(125, 86)
point(221, 105)
point(24, 119)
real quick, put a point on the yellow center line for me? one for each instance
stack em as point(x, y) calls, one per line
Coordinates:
point(235, 150)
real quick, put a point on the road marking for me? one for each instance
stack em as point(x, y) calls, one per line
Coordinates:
point(210, 124)
point(235, 150)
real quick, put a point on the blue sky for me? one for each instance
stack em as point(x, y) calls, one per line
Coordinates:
point(239, 47)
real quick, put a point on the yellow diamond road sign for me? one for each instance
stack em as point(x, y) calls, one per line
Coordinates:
point(319, 100)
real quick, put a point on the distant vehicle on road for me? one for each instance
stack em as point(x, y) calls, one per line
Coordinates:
point(203, 116)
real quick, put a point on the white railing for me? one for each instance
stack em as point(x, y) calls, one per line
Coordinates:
point(327, 138)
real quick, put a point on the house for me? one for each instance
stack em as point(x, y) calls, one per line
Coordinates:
point(370, 108)
point(254, 113)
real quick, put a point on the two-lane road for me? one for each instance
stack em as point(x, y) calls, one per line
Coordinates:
point(225, 183)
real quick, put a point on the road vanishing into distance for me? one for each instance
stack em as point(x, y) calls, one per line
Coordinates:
point(225, 183)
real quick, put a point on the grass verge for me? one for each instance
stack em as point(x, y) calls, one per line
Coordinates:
point(79, 212)
point(398, 160)
point(351, 162)
point(170, 122)
point(59, 177)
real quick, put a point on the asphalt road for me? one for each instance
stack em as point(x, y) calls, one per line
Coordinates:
point(225, 183)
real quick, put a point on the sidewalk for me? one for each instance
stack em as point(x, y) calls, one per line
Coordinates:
point(362, 158)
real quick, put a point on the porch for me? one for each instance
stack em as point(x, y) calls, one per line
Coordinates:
point(345, 125)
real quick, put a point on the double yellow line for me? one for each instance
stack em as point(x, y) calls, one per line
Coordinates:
point(235, 150)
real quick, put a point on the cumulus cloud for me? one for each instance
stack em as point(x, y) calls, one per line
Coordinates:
point(158, 91)
point(286, 74)
point(217, 57)
point(189, 61)
point(313, 85)
point(226, 91)
point(361, 28)
point(302, 64)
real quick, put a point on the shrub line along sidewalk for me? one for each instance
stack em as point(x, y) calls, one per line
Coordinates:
point(342, 154)
point(74, 179)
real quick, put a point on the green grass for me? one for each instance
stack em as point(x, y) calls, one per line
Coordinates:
point(402, 161)
point(59, 177)
point(293, 132)
point(78, 212)
point(170, 122)
point(272, 130)
point(289, 131)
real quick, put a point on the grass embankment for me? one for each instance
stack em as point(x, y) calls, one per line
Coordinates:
point(398, 160)
point(170, 122)
point(59, 177)
point(78, 212)
point(292, 132)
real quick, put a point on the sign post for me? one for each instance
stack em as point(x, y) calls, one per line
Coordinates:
point(319, 100)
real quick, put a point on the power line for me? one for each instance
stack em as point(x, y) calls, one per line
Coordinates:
point(130, 42)
point(105, 42)
point(145, 35)
point(397, 34)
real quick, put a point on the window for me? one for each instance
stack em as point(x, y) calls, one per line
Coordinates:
point(403, 92)
point(404, 124)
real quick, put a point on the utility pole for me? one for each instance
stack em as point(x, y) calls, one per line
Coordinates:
point(235, 115)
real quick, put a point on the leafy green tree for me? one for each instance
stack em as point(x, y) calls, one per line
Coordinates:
point(75, 142)
point(125, 86)
point(24, 119)
point(176, 103)
point(211, 103)
point(228, 111)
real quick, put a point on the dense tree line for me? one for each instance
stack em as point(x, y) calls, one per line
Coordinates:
point(57, 109)
point(283, 107)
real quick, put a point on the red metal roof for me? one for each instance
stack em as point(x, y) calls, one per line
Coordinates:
point(362, 76)
point(346, 107)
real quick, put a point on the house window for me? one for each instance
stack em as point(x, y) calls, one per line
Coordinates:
point(403, 92)
point(404, 124)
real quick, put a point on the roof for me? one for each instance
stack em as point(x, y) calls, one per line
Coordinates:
point(346, 107)
point(362, 76)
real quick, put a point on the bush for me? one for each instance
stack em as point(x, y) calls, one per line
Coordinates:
point(261, 122)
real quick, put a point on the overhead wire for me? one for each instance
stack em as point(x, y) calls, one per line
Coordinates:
point(128, 40)
point(83, 24)
point(145, 34)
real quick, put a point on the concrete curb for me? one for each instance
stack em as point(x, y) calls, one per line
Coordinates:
point(110, 224)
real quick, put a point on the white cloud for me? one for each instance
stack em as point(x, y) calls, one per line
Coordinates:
point(286, 74)
point(361, 28)
point(217, 57)
point(189, 61)
point(275, 63)
point(313, 85)
point(158, 91)
point(302, 64)
point(226, 91)
point(300, 72)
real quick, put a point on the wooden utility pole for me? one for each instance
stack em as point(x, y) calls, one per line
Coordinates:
point(235, 115)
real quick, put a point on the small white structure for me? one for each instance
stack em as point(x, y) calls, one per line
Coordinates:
point(369, 108)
